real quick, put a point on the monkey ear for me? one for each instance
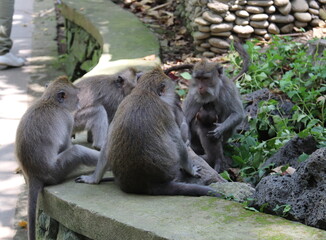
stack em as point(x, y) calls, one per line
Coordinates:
point(61, 95)
point(119, 81)
point(138, 75)
point(161, 89)
point(220, 70)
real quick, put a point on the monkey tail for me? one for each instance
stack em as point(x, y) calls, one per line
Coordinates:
point(184, 189)
point(34, 188)
point(246, 60)
point(178, 67)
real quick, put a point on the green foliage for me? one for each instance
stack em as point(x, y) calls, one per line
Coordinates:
point(282, 210)
point(285, 67)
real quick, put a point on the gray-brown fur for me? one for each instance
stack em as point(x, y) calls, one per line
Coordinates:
point(209, 85)
point(99, 99)
point(43, 142)
point(145, 147)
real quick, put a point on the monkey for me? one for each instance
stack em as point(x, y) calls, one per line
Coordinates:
point(145, 148)
point(209, 85)
point(205, 121)
point(43, 142)
point(99, 98)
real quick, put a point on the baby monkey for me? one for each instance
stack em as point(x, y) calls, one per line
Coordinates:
point(43, 142)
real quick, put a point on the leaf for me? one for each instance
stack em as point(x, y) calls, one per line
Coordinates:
point(186, 75)
point(22, 224)
point(303, 157)
point(226, 176)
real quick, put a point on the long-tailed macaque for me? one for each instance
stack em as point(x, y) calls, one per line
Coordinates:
point(145, 147)
point(209, 85)
point(99, 99)
point(43, 142)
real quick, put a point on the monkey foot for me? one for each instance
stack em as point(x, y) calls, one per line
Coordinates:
point(86, 179)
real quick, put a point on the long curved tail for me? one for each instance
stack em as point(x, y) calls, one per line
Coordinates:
point(245, 57)
point(34, 188)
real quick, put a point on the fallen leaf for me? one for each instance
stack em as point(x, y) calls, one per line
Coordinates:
point(22, 224)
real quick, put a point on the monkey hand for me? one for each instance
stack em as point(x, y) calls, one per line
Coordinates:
point(86, 179)
point(196, 170)
point(216, 133)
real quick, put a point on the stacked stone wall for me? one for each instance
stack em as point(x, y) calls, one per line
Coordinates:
point(212, 22)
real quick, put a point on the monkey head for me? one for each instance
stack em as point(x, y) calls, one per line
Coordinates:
point(127, 80)
point(61, 92)
point(159, 84)
point(206, 80)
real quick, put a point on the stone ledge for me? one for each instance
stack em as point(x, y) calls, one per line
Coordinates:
point(104, 212)
point(124, 40)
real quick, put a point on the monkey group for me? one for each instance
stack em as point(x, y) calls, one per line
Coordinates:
point(138, 123)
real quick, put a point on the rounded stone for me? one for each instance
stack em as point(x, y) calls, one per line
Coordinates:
point(201, 21)
point(218, 7)
point(259, 24)
point(243, 29)
point(270, 9)
point(200, 49)
point(205, 45)
point(299, 6)
point(285, 10)
point(300, 24)
point(242, 21)
point(273, 29)
point(218, 50)
point(221, 34)
point(211, 17)
point(260, 31)
point(240, 35)
point(302, 17)
point(277, 18)
point(280, 3)
point(313, 11)
point(222, 27)
point(288, 28)
point(200, 35)
point(322, 14)
point(230, 17)
point(322, 1)
point(259, 17)
point(219, 43)
point(254, 9)
point(242, 13)
point(267, 36)
point(317, 23)
point(204, 29)
point(209, 54)
point(236, 7)
point(313, 4)
point(260, 3)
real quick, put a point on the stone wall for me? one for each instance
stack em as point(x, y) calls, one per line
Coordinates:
point(212, 22)
point(83, 51)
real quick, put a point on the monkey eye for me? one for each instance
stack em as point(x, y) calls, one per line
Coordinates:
point(161, 89)
point(119, 81)
point(61, 95)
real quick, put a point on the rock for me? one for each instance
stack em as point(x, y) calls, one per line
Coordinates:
point(313, 4)
point(208, 54)
point(316, 48)
point(285, 10)
point(218, 50)
point(221, 34)
point(221, 27)
point(204, 28)
point(281, 19)
point(281, 3)
point(267, 36)
point(260, 3)
point(260, 31)
point(242, 21)
point(207, 174)
point(235, 7)
point(322, 1)
point(254, 9)
point(218, 7)
point(300, 24)
point(304, 192)
point(238, 191)
point(259, 24)
point(317, 23)
point(200, 49)
point(288, 28)
point(230, 17)
point(211, 17)
point(322, 14)
point(291, 151)
point(299, 6)
point(273, 29)
point(200, 35)
point(241, 35)
point(313, 11)
point(201, 21)
point(205, 45)
point(259, 17)
point(242, 13)
point(303, 17)
point(270, 9)
point(243, 29)
point(219, 43)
